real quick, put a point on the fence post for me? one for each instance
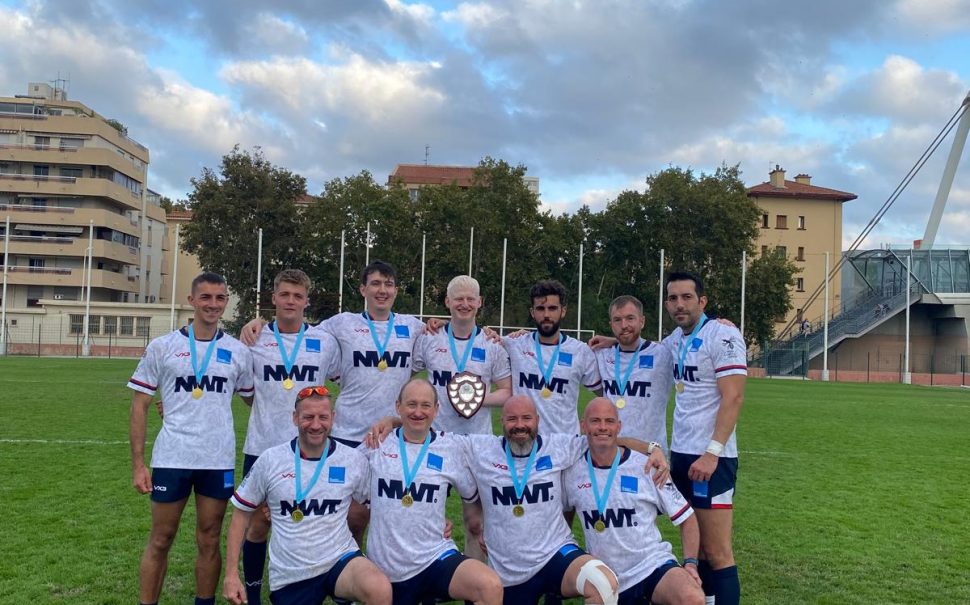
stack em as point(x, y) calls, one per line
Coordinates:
point(39, 328)
point(932, 367)
point(836, 366)
point(109, 345)
point(868, 356)
point(900, 368)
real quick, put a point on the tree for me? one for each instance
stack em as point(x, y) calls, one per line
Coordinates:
point(229, 206)
point(168, 205)
point(768, 295)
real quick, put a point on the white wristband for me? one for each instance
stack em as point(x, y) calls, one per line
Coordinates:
point(652, 446)
point(715, 447)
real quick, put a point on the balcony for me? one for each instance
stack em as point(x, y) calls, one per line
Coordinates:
point(72, 246)
point(19, 275)
point(81, 217)
point(80, 156)
point(68, 186)
point(75, 126)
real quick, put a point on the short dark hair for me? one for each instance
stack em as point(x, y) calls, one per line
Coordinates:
point(625, 299)
point(547, 287)
point(686, 276)
point(378, 266)
point(207, 277)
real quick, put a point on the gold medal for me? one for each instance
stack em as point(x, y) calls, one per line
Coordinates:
point(599, 526)
point(546, 393)
point(196, 393)
point(287, 384)
point(518, 510)
point(382, 365)
point(407, 501)
point(297, 515)
point(680, 387)
point(620, 403)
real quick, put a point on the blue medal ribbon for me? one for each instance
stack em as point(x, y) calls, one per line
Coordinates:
point(301, 493)
point(460, 365)
point(686, 345)
point(288, 360)
point(381, 347)
point(412, 472)
point(199, 373)
point(621, 384)
point(547, 371)
point(601, 498)
point(517, 482)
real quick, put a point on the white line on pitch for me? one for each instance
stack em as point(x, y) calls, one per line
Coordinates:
point(66, 441)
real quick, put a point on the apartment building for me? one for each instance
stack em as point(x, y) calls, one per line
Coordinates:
point(415, 176)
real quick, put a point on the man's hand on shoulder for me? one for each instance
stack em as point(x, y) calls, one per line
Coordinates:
point(598, 342)
point(250, 332)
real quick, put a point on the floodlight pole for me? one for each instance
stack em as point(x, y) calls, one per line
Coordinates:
point(175, 275)
point(744, 275)
point(424, 241)
point(3, 297)
point(907, 375)
point(259, 268)
point(86, 347)
point(825, 326)
point(660, 300)
point(340, 278)
point(501, 308)
point(471, 247)
point(579, 299)
point(367, 255)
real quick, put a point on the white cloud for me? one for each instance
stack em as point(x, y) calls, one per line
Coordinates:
point(935, 16)
point(422, 13)
point(269, 33)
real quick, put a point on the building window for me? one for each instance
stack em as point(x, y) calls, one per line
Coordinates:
point(781, 221)
point(67, 143)
point(77, 323)
point(42, 142)
point(127, 326)
point(781, 251)
point(801, 223)
point(71, 172)
point(94, 324)
point(764, 220)
point(801, 253)
point(800, 284)
point(41, 170)
point(110, 324)
point(764, 250)
point(144, 323)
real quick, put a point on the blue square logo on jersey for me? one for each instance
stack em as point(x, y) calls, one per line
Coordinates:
point(223, 355)
point(478, 354)
point(565, 359)
point(336, 474)
point(646, 362)
point(694, 346)
point(544, 463)
point(228, 479)
point(435, 462)
point(402, 332)
point(312, 345)
point(628, 484)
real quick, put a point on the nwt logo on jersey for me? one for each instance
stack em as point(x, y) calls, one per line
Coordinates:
point(394, 489)
point(440, 379)
point(505, 496)
point(688, 373)
point(209, 384)
point(612, 517)
point(537, 383)
point(370, 359)
point(278, 373)
point(633, 388)
point(309, 507)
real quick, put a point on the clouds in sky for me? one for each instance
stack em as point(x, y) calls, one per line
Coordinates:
point(591, 96)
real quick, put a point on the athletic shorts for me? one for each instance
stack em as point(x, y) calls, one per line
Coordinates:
point(548, 580)
point(174, 484)
point(719, 490)
point(313, 591)
point(641, 592)
point(431, 583)
point(248, 461)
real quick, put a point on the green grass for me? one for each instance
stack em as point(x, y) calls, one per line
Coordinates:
point(848, 493)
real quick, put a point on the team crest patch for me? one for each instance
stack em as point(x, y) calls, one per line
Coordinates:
point(646, 362)
point(628, 484)
point(402, 332)
point(435, 462)
point(565, 359)
point(336, 474)
point(228, 479)
point(694, 346)
point(478, 354)
point(312, 345)
point(544, 463)
point(223, 355)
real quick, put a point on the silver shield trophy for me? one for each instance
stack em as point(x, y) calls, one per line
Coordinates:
point(466, 392)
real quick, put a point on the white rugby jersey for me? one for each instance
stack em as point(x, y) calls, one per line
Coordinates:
point(644, 414)
point(518, 547)
point(271, 419)
point(196, 433)
point(366, 393)
point(406, 540)
point(576, 365)
point(308, 548)
point(716, 352)
point(487, 359)
point(631, 544)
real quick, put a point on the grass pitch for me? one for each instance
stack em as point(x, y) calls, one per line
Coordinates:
point(847, 493)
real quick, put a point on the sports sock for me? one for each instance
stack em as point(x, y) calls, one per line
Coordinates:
point(707, 582)
point(727, 586)
point(207, 601)
point(253, 559)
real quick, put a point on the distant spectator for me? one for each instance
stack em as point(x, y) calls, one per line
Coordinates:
point(806, 326)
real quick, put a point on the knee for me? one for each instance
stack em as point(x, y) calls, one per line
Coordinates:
point(691, 595)
point(377, 590)
point(719, 557)
point(491, 589)
point(207, 542)
point(160, 540)
point(258, 530)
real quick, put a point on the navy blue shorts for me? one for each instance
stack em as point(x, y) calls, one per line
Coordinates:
point(641, 592)
point(174, 484)
point(431, 583)
point(248, 461)
point(548, 580)
point(719, 490)
point(313, 591)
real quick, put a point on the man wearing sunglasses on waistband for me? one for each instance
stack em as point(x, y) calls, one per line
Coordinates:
point(307, 484)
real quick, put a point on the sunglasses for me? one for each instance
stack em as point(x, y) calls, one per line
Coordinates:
point(311, 391)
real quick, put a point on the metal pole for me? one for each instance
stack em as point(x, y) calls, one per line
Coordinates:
point(175, 274)
point(501, 308)
point(744, 276)
point(367, 246)
point(340, 278)
point(3, 299)
point(579, 299)
point(952, 161)
point(424, 241)
point(259, 268)
point(907, 375)
point(825, 325)
point(86, 349)
point(471, 247)
point(660, 300)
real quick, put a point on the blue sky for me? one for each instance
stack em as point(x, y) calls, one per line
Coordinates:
point(591, 96)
